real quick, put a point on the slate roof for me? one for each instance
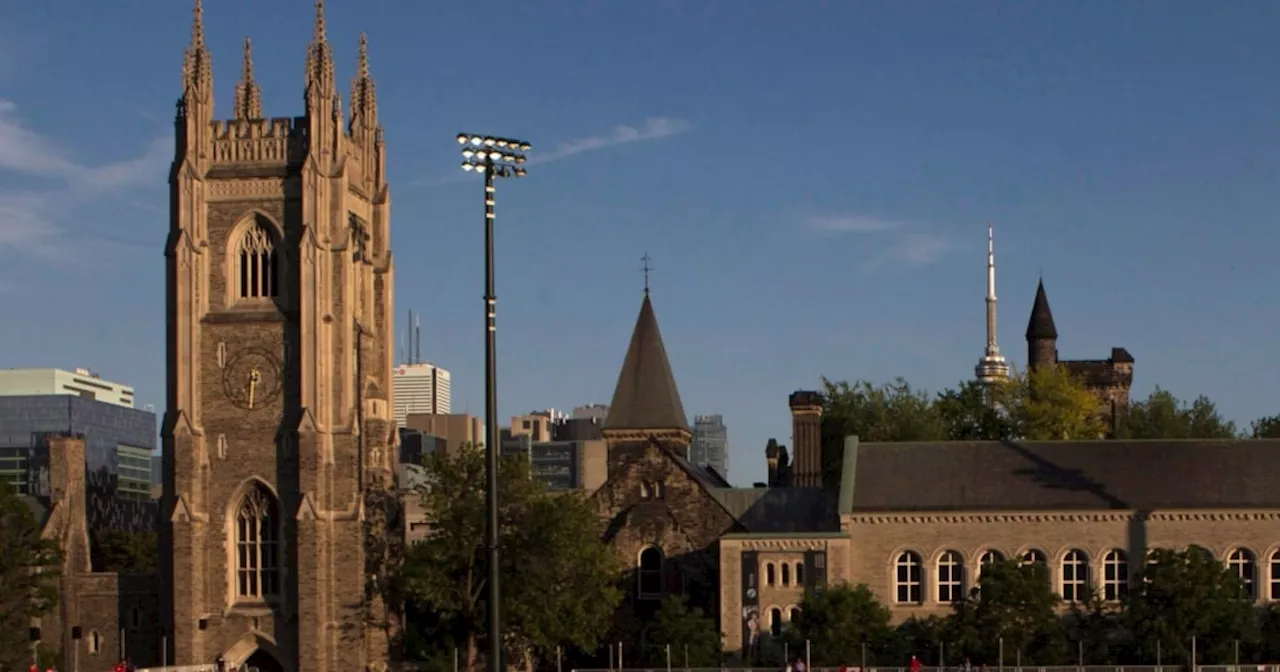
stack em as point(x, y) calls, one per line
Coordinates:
point(646, 396)
point(1067, 475)
point(1041, 323)
point(775, 510)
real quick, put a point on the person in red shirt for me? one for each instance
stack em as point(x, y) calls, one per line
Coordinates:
point(915, 664)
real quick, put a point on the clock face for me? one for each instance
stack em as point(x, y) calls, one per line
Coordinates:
point(252, 378)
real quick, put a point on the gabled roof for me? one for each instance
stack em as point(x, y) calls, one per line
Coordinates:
point(1066, 475)
point(646, 396)
point(1041, 325)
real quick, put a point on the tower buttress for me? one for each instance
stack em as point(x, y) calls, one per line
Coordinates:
point(992, 368)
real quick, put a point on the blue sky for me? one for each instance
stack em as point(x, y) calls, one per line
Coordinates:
point(812, 180)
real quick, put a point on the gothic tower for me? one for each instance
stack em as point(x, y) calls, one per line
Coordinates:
point(277, 436)
point(992, 368)
point(646, 403)
point(1042, 333)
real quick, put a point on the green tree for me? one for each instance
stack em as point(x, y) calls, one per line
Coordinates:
point(974, 412)
point(124, 552)
point(1183, 594)
point(1050, 404)
point(559, 578)
point(1163, 416)
point(891, 412)
point(693, 636)
point(1012, 602)
point(838, 622)
point(1266, 428)
point(29, 568)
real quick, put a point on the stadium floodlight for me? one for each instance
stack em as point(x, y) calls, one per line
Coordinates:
point(494, 157)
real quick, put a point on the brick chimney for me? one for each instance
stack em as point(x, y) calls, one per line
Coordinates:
point(806, 439)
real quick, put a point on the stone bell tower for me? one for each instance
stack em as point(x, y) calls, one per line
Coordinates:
point(278, 439)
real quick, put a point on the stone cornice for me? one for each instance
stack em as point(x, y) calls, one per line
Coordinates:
point(252, 189)
point(797, 544)
point(1018, 517)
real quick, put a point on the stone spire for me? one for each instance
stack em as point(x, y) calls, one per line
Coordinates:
point(248, 95)
point(320, 77)
point(197, 67)
point(646, 397)
point(364, 96)
point(992, 368)
point(1042, 333)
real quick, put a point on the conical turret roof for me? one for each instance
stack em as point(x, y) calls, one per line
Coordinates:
point(1041, 325)
point(646, 396)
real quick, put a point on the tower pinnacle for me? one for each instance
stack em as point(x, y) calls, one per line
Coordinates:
point(197, 66)
point(992, 367)
point(320, 81)
point(364, 97)
point(248, 95)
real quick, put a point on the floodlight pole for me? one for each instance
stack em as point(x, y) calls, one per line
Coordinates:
point(495, 157)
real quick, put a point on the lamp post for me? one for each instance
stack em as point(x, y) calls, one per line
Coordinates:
point(494, 157)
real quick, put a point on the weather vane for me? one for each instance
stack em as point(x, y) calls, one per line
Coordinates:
point(646, 268)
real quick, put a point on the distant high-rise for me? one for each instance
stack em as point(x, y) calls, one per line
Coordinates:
point(81, 383)
point(710, 447)
point(591, 412)
point(420, 388)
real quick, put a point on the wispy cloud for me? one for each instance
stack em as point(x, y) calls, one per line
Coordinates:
point(39, 216)
point(902, 245)
point(654, 128)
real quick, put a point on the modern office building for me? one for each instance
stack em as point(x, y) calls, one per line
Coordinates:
point(118, 462)
point(591, 412)
point(561, 465)
point(81, 383)
point(447, 432)
point(420, 388)
point(710, 446)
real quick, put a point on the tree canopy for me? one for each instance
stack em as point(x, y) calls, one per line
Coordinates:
point(559, 578)
point(1164, 416)
point(29, 568)
point(838, 622)
point(688, 634)
point(1046, 404)
point(124, 552)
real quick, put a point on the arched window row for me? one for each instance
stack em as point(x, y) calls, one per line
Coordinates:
point(1076, 576)
point(783, 573)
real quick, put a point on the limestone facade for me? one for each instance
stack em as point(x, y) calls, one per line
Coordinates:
point(278, 438)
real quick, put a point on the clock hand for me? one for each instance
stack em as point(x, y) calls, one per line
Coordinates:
point(255, 376)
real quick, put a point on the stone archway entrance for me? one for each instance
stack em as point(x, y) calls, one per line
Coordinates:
point(261, 661)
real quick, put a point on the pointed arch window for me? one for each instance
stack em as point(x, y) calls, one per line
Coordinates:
point(770, 574)
point(258, 264)
point(257, 546)
point(649, 573)
point(786, 574)
point(799, 573)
